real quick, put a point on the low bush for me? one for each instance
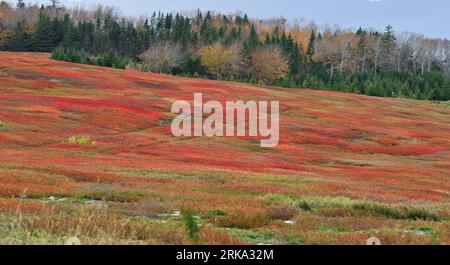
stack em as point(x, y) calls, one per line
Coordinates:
point(112, 196)
point(357, 206)
point(282, 213)
point(191, 226)
point(243, 220)
point(75, 54)
point(79, 139)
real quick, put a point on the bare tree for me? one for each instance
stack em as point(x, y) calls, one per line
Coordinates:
point(163, 57)
point(376, 48)
point(444, 56)
point(345, 52)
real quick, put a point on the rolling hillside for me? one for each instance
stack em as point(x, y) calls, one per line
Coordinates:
point(88, 151)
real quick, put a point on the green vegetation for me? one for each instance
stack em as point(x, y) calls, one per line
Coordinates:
point(355, 206)
point(80, 139)
point(217, 213)
point(112, 196)
point(77, 55)
point(252, 236)
point(396, 212)
point(191, 226)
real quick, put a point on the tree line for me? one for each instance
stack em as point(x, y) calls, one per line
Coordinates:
point(235, 47)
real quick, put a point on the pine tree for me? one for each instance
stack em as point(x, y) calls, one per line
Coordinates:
point(253, 39)
point(276, 35)
point(245, 20)
point(295, 59)
point(19, 40)
point(43, 38)
point(388, 45)
point(71, 36)
point(311, 46)
point(268, 40)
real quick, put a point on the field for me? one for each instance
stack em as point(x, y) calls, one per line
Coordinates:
point(87, 151)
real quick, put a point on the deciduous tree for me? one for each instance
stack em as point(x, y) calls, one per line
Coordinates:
point(163, 57)
point(268, 64)
point(220, 60)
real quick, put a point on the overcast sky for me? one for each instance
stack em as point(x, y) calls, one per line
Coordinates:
point(429, 17)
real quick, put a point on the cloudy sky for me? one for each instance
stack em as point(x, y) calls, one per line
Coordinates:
point(429, 17)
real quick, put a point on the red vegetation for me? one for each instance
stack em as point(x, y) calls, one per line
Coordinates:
point(331, 144)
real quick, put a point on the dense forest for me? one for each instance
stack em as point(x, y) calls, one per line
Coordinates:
point(235, 47)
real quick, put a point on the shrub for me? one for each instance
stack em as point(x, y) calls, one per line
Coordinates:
point(212, 236)
point(79, 139)
point(113, 196)
point(190, 225)
point(282, 213)
point(111, 59)
point(304, 206)
point(73, 54)
point(396, 212)
point(217, 213)
point(389, 211)
point(76, 54)
point(243, 220)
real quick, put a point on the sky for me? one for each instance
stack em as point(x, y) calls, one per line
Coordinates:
point(431, 18)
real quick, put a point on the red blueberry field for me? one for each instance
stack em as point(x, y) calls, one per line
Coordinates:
point(88, 151)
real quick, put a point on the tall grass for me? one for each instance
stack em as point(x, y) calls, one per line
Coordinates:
point(400, 212)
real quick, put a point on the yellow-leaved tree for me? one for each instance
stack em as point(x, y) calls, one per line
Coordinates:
point(220, 60)
point(269, 64)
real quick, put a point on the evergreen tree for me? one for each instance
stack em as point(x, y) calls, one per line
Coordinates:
point(268, 40)
point(19, 40)
point(311, 46)
point(253, 39)
point(44, 38)
point(388, 45)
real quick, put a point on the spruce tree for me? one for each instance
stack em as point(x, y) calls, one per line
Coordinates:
point(388, 45)
point(44, 36)
point(253, 39)
point(311, 46)
point(19, 40)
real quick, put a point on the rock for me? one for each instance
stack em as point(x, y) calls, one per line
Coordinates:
point(373, 241)
point(163, 215)
point(74, 241)
point(97, 203)
point(176, 214)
